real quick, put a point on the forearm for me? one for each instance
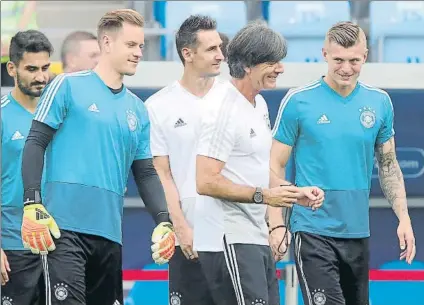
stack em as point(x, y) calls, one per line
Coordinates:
point(393, 186)
point(39, 137)
point(220, 187)
point(173, 200)
point(150, 189)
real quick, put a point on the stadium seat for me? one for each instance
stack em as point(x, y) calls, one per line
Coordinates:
point(397, 31)
point(230, 17)
point(304, 25)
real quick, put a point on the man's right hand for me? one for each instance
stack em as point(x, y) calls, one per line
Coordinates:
point(5, 268)
point(282, 196)
point(37, 229)
point(185, 238)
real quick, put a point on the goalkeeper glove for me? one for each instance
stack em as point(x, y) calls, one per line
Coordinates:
point(37, 224)
point(163, 239)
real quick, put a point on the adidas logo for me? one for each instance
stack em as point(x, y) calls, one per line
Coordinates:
point(323, 120)
point(179, 123)
point(39, 214)
point(116, 302)
point(93, 108)
point(252, 133)
point(17, 136)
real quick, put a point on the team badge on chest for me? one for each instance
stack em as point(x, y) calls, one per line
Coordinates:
point(132, 120)
point(367, 117)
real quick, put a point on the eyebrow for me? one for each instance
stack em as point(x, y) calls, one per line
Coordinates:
point(36, 67)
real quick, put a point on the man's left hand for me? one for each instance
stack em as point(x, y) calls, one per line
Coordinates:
point(279, 241)
point(313, 197)
point(406, 240)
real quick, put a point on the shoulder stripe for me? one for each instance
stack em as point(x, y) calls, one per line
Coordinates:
point(4, 102)
point(368, 87)
point(286, 99)
point(49, 95)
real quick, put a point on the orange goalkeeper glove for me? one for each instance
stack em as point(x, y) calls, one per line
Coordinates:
point(163, 239)
point(36, 227)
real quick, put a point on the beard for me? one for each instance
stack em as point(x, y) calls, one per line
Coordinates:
point(26, 89)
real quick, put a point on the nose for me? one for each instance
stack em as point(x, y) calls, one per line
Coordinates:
point(139, 53)
point(279, 68)
point(41, 76)
point(220, 55)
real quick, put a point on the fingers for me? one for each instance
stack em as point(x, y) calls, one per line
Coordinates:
point(412, 255)
point(54, 229)
point(188, 252)
point(48, 241)
point(410, 250)
point(4, 269)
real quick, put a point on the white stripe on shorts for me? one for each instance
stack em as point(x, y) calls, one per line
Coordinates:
point(46, 278)
point(231, 261)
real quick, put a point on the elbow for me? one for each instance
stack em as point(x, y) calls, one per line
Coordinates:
point(204, 185)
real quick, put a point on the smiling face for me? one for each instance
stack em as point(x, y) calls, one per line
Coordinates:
point(264, 76)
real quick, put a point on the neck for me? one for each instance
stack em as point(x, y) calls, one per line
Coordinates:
point(26, 101)
point(246, 89)
point(108, 75)
point(342, 90)
point(196, 84)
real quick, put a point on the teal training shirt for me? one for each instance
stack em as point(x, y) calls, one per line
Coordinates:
point(333, 140)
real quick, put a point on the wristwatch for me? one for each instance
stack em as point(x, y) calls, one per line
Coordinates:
point(258, 196)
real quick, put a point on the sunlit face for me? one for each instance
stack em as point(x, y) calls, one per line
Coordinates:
point(344, 64)
point(264, 76)
point(86, 57)
point(206, 58)
point(32, 73)
point(124, 48)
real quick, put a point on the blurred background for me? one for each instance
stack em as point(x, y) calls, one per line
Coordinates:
point(395, 31)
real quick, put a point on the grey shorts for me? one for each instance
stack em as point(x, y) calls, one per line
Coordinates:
point(243, 274)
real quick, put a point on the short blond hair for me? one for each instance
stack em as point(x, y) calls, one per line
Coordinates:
point(114, 20)
point(346, 34)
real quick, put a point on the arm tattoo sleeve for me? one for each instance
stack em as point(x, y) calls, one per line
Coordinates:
point(391, 178)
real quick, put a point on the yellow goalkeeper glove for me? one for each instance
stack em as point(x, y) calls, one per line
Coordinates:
point(37, 224)
point(163, 239)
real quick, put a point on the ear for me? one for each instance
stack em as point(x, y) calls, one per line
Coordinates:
point(324, 54)
point(365, 55)
point(187, 54)
point(11, 69)
point(106, 43)
point(248, 70)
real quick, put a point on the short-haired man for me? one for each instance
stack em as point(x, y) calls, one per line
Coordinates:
point(335, 126)
point(80, 51)
point(29, 63)
point(232, 175)
point(175, 113)
point(101, 131)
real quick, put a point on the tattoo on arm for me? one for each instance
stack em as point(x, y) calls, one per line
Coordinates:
point(391, 178)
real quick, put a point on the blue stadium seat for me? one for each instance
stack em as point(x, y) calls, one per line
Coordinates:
point(397, 31)
point(304, 25)
point(230, 16)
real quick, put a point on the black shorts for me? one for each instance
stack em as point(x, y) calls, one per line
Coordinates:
point(85, 270)
point(187, 283)
point(332, 271)
point(241, 274)
point(26, 281)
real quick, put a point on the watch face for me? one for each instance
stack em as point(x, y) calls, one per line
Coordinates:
point(257, 198)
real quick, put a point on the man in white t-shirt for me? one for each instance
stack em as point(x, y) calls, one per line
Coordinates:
point(233, 155)
point(175, 116)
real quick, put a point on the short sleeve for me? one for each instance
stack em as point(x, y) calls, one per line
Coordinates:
point(218, 131)
point(386, 130)
point(143, 149)
point(157, 138)
point(53, 104)
point(286, 127)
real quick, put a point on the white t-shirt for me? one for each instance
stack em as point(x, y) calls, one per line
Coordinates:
point(175, 116)
point(239, 134)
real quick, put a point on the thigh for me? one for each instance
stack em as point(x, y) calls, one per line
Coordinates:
point(317, 266)
point(104, 271)
point(23, 286)
point(249, 273)
point(187, 283)
point(65, 274)
point(218, 278)
point(354, 271)
point(272, 280)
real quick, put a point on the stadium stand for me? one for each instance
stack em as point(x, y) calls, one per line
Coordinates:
point(304, 24)
point(397, 31)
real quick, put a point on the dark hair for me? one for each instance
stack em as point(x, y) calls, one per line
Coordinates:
point(70, 44)
point(224, 46)
point(30, 41)
point(254, 44)
point(186, 36)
